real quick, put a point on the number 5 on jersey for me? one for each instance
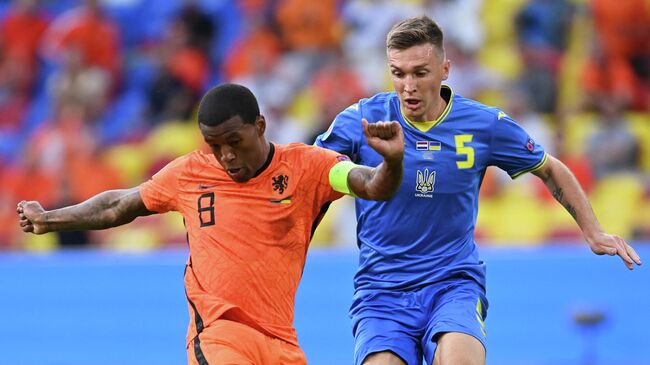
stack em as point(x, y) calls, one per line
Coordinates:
point(462, 149)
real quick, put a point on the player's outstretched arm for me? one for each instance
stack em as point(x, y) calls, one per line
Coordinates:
point(565, 188)
point(108, 209)
point(381, 182)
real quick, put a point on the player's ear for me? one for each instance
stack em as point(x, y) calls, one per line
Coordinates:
point(446, 67)
point(260, 125)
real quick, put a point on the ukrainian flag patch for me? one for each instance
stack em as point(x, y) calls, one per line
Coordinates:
point(428, 146)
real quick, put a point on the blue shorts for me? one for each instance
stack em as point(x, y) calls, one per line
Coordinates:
point(408, 323)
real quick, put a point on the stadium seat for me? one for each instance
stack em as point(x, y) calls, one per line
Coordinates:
point(642, 220)
point(226, 15)
point(515, 217)
point(305, 108)
point(570, 89)
point(11, 146)
point(141, 237)
point(488, 211)
point(172, 139)
point(617, 200)
point(338, 225)
point(639, 124)
point(4, 6)
point(157, 15)
point(578, 128)
point(562, 226)
point(57, 7)
point(127, 15)
point(503, 59)
point(499, 51)
point(498, 20)
point(123, 118)
point(131, 160)
point(174, 232)
point(140, 73)
point(39, 112)
point(40, 243)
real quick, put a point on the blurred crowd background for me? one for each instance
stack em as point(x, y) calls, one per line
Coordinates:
point(97, 95)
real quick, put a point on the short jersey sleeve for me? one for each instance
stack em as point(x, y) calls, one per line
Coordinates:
point(160, 193)
point(344, 134)
point(513, 150)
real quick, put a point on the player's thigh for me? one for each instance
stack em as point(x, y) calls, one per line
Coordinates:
point(228, 342)
point(383, 358)
point(455, 348)
point(382, 341)
point(457, 317)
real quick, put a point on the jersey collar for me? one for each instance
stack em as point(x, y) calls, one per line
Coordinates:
point(448, 95)
point(269, 158)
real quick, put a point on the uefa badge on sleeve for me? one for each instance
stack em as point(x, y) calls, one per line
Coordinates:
point(530, 145)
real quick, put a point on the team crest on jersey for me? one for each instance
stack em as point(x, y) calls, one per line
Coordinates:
point(280, 183)
point(424, 183)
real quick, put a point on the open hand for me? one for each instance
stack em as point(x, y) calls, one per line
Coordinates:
point(386, 138)
point(607, 244)
point(31, 214)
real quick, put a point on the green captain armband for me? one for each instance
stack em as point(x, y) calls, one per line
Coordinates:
point(339, 177)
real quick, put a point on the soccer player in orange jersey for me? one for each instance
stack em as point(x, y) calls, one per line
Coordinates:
point(250, 209)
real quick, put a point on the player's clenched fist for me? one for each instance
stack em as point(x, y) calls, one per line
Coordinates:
point(386, 138)
point(29, 214)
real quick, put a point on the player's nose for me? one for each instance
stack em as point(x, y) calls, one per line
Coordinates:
point(410, 85)
point(227, 154)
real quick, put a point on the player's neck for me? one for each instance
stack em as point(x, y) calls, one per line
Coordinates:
point(439, 104)
point(269, 150)
point(437, 109)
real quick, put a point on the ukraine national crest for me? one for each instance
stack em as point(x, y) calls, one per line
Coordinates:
point(424, 183)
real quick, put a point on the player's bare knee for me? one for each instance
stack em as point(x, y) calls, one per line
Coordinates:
point(383, 358)
point(461, 359)
point(459, 349)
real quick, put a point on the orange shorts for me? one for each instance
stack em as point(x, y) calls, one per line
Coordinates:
point(226, 342)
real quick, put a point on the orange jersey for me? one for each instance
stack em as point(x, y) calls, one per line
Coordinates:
point(248, 241)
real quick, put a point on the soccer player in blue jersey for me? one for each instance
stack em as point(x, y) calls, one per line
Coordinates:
point(420, 285)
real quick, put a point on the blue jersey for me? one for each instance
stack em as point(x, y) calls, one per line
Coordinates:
point(425, 233)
